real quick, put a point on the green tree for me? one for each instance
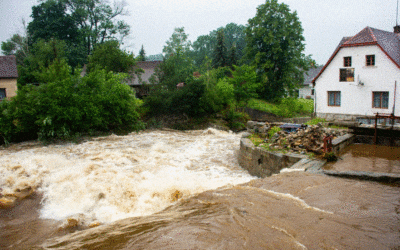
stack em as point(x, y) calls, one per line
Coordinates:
point(17, 45)
point(275, 46)
point(204, 46)
point(232, 56)
point(177, 43)
point(110, 57)
point(142, 54)
point(51, 20)
point(220, 53)
point(244, 80)
point(69, 105)
point(81, 23)
point(42, 55)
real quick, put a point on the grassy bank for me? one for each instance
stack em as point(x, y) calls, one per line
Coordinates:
point(288, 107)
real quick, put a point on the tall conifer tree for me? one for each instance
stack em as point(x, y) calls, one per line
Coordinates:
point(220, 53)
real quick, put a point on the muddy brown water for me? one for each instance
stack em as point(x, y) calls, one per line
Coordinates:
point(369, 158)
point(286, 211)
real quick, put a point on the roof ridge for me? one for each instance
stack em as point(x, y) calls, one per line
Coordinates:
point(372, 34)
point(348, 41)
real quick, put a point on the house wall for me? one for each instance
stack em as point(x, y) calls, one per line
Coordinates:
point(355, 99)
point(305, 92)
point(10, 84)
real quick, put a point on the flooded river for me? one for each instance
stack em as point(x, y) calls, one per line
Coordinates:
point(369, 158)
point(183, 190)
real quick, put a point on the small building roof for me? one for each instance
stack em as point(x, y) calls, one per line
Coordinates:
point(148, 64)
point(311, 74)
point(8, 67)
point(388, 42)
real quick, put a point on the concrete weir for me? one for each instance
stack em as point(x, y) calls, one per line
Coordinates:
point(262, 163)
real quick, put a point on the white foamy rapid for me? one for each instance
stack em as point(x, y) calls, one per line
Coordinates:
point(116, 177)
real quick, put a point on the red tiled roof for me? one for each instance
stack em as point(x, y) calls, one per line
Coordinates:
point(8, 67)
point(388, 42)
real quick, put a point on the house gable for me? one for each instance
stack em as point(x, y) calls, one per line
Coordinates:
point(8, 76)
point(359, 78)
point(388, 42)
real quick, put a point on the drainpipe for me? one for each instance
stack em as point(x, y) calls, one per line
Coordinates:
point(394, 102)
point(315, 101)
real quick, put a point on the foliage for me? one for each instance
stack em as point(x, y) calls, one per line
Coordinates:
point(273, 131)
point(69, 105)
point(244, 79)
point(219, 93)
point(110, 57)
point(177, 43)
point(232, 56)
point(255, 139)
point(220, 53)
point(275, 45)
point(185, 100)
point(330, 157)
point(42, 55)
point(50, 20)
point(207, 94)
point(236, 120)
point(142, 55)
point(315, 121)
point(17, 45)
point(204, 46)
point(285, 107)
point(82, 24)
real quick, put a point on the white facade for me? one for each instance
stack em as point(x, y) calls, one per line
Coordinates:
point(306, 92)
point(356, 97)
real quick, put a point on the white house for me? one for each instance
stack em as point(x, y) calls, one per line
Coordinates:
point(360, 77)
point(307, 91)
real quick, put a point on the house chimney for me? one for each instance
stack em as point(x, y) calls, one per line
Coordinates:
point(396, 29)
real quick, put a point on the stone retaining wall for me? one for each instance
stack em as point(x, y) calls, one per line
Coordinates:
point(262, 163)
point(337, 117)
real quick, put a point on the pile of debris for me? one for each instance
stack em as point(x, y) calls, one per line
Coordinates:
point(305, 139)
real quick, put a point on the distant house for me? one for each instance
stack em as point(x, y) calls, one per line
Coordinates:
point(140, 82)
point(360, 77)
point(307, 91)
point(8, 77)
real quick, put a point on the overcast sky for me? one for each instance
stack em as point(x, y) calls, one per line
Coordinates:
point(152, 22)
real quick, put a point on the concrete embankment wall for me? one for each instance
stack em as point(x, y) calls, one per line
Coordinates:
point(262, 163)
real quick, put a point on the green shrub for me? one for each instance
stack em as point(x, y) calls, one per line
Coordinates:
point(286, 107)
point(236, 120)
point(273, 131)
point(69, 106)
point(315, 121)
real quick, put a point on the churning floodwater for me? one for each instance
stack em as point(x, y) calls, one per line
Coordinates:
point(183, 190)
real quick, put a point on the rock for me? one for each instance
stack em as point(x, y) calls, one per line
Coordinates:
point(251, 124)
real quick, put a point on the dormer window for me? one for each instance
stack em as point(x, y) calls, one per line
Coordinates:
point(370, 60)
point(347, 61)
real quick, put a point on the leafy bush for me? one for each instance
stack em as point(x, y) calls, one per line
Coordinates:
point(273, 131)
point(65, 107)
point(286, 107)
point(236, 120)
point(315, 121)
